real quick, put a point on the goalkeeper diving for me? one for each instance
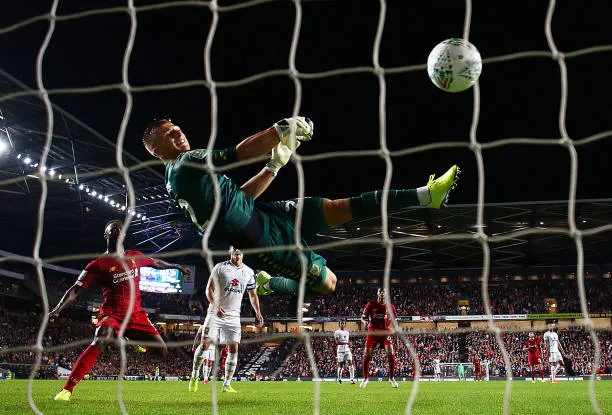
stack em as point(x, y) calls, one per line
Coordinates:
point(246, 222)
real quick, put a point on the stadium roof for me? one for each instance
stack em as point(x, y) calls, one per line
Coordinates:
point(526, 234)
point(520, 235)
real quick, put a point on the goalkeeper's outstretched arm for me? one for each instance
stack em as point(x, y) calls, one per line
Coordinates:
point(281, 132)
point(258, 184)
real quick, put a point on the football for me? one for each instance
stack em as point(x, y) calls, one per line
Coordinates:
point(454, 65)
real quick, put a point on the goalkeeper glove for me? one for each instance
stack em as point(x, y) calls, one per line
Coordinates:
point(280, 156)
point(304, 129)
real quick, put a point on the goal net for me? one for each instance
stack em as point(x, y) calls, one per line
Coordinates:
point(228, 68)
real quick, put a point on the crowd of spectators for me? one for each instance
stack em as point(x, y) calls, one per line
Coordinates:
point(446, 346)
point(21, 330)
point(170, 303)
point(429, 299)
point(289, 358)
point(422, 299)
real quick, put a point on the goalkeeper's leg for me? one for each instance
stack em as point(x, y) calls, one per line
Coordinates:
point(434, 194)
point(322, 214)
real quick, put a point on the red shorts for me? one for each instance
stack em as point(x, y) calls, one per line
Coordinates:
point(139, 324)
point(534, 359)
point(372, 340)
point(477, 368)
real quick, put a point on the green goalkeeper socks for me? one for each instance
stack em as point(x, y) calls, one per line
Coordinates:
point(287, 286)
point(368, 204)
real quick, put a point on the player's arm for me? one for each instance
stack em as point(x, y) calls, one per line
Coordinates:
point(338, 342)
point(264, 141)
point(87, 277)
point(561, 350)
point(256, 185)
point(365, 317)
point(161, 264)
point(69, 297)
point(210, 295)
point(393, 313)
point(254, 298)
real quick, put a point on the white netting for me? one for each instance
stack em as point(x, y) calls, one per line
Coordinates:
point(383, 151)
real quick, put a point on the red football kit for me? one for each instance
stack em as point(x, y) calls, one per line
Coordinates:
point(379, 321)
point(533, 349)
point(110, 274)
point(477, 367)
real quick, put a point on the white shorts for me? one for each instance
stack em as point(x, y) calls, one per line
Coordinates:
point(209, 354)
point(226, 329)
point(346, 356)
point(555, 357)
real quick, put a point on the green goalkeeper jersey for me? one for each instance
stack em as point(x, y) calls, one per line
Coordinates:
point(242, 222)
point(194, 191)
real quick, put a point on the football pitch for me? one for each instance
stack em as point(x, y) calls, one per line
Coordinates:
point(271, 398)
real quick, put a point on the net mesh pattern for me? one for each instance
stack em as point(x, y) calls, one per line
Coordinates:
point(293, 73)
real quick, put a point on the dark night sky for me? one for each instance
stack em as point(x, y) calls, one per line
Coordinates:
point(519, 98)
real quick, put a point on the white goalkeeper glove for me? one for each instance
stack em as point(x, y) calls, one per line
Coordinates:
point(281, 154)
point(304, 129)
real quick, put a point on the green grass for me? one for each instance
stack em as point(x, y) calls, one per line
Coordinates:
point(271, 398)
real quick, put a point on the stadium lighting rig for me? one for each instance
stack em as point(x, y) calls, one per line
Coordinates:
point(4, 147)
point(95, 194)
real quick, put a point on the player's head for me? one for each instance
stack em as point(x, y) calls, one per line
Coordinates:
point(164, 140)
point(342, 324)
point(552, 326)
point(380, 295)
point(235, 256)
point(112, 229)
point(531, 334)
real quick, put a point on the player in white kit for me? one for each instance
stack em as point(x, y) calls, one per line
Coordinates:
point(226, 286)
point(344, 353)
point(555, 350)
point(437, 369)
point(209, 354)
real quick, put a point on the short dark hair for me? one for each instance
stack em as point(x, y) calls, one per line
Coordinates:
point(151, 126)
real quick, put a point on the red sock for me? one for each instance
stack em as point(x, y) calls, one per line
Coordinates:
point(532, 374)
point(83, 365)
point(366, 366)
point(391, 359)
point(541, 373)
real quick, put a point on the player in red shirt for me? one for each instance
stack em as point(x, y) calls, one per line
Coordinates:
point(114, 279)
point(532, 347)
point(376, 319)
point(477, 367)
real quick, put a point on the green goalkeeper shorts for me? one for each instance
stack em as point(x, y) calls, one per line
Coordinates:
point(279, 230)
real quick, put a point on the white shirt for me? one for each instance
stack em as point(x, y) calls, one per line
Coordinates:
point(343, 337)
point(553, 341)
point(436, 363)
point(231, 282)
